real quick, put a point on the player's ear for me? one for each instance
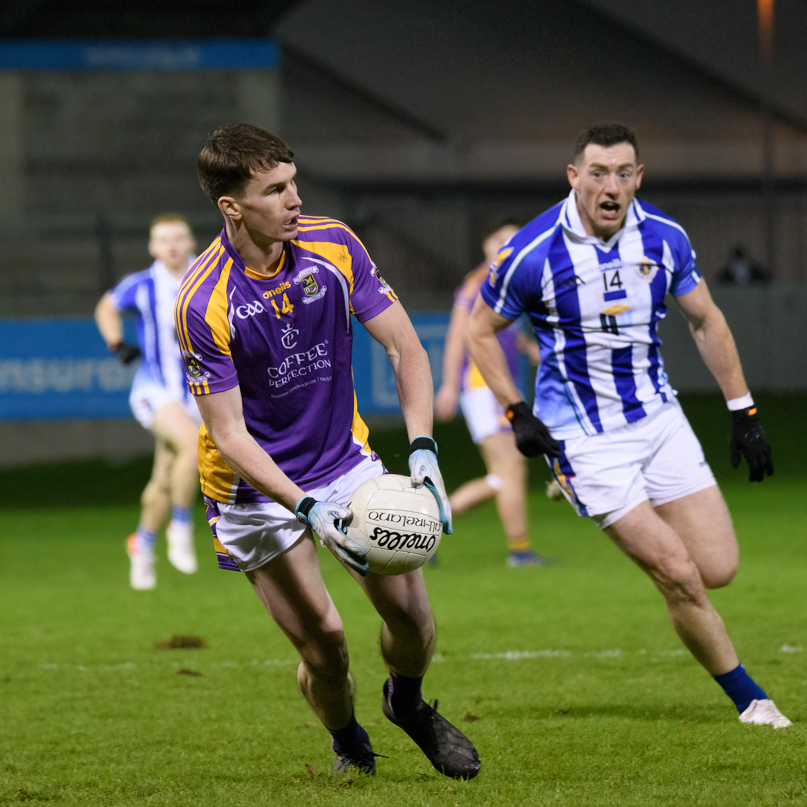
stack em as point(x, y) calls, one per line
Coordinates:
point(639, 175)
point(572, 174)
point(229, 207)
point(151, 249)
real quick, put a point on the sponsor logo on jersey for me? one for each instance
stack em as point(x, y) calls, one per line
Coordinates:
point(289, 338)
point(279, 290)
point(250, 309)
point(311, 289)
point(297, 365)
point(616, 310)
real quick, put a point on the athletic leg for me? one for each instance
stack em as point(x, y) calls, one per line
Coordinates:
point(155, 503)
point(645, 537)
point(508, 465)
point(292, 590)
point(470, 494)
point(407, 644)
point(178, 431)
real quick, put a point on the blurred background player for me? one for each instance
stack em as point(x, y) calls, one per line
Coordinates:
point(159, 399)
point(463, 386)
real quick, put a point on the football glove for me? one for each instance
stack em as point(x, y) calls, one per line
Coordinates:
point(532, 436)
point(423, 470)
point(748, 440)
point(126, 353)
point(326, 520)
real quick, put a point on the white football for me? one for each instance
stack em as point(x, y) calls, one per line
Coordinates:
point(398, 525)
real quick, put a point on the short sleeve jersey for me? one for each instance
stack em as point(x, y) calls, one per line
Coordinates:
point(150, 296)
point(286, 341)
point(595, 306)
point(465, 297)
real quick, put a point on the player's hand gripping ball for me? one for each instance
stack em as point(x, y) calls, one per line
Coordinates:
point(399, 525)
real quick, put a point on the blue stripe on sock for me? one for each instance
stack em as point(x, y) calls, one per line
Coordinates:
point(181, 514)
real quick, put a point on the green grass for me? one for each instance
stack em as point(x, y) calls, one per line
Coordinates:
point(601, 708)
point(583, 694)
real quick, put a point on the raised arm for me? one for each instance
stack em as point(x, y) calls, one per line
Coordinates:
point(716, 346)
point(487, 353)
point(714, 340)
point(392, 329)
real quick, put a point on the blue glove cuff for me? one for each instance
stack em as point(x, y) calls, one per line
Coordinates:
point(303, 508)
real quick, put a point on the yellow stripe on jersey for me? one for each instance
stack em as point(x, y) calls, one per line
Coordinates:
point(336, 254)
point(216, 314)
point(192, 285)
point(202, 262)
point(218, 481)
point(359, 428)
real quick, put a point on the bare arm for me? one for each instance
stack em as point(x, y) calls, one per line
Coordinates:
point(393, 330)
point(224, 418)
point(714, 340)
point(445, 402)
point(108, 320)
point(487, 353)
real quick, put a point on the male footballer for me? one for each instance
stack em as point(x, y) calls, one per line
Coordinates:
point(265, 328)
point(593, 273)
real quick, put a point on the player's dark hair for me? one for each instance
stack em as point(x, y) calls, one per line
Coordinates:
point(605, 134)
point(496, 224)
point(233, 154)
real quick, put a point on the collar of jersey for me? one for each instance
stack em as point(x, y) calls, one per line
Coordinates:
point(571, 223)
point(239, 261)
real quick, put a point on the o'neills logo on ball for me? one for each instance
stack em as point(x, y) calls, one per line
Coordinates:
point(396, 540)
point(402, 520)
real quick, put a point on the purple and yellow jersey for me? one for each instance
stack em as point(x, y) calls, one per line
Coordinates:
point(286, 341)
point(465, 297)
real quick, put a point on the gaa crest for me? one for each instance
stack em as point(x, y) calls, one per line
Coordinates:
point(647, 269)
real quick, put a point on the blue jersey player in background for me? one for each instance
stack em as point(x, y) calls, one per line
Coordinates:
point(592, 273)
point(159, 399)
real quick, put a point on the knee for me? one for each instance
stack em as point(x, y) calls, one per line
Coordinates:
point(678, 580)
point(153, 491)
point(415, 621)
point(719, 576)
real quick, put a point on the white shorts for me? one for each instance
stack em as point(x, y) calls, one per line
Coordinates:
point(483, 414)
point(147, 399)
point(253, 534)
point(657, 458)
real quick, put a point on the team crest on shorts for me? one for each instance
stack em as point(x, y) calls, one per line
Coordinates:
point(647, 269)
point(311, 288)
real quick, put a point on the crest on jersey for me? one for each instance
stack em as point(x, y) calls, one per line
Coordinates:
point(192, 364)
point(646, 269)
point(383, 287)
point(307, 278)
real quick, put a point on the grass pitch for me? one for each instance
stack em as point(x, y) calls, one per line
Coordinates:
point(569, 679)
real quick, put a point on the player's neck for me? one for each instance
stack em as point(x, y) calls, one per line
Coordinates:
point(260, 258)
point(178, 271)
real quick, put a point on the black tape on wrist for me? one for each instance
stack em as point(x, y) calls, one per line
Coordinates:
point(304, 508)
point(423, 443)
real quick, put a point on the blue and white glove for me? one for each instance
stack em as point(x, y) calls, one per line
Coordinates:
point(325, 520)
point(423, 470)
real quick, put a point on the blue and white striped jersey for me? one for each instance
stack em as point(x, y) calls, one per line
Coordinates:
point(595, 306)
point(150, 295)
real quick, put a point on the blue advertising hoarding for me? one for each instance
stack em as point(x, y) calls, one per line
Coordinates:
point(60, 369)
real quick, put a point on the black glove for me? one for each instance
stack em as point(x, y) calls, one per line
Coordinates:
point(532, 437)
point(748, 439)
point(126, 353)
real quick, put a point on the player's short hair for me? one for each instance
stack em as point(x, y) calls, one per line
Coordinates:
point(169, 218)
point(605, 134)
point(233, 154)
